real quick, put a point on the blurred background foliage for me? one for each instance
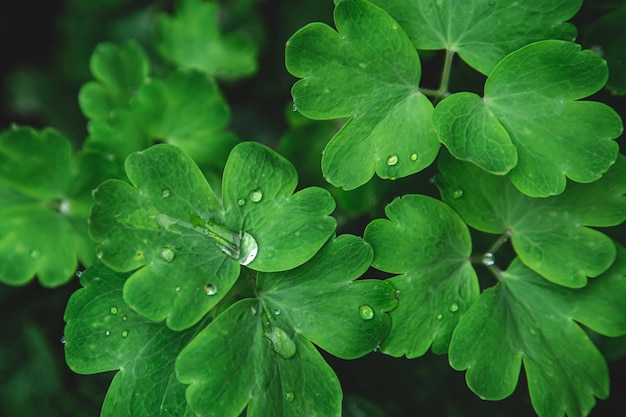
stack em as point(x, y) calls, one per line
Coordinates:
point(46, 46)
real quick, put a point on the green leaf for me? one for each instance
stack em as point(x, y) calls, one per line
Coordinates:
point(119, 70)
point(482, 32)
point(530, 115)
point(44, 203)
point(428, 245)
point(389, 130)
point(548, 234)
point(607, 36)
point(192, 39)
point(525, 319)
point(104, 334)
point(186, 249)
point(186, 110)
point(323, 302)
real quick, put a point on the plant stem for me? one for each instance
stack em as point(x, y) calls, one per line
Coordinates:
point(501, 241)
point(442, 92)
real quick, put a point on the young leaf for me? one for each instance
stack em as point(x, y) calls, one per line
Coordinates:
point(103, 334)
point(170, 227)
point(428, 245)
point(530, 110)
point(525, 319)
point(367, 71)
point(482, 32)
point(323, 302)
point(548, 234)
point(192, 39)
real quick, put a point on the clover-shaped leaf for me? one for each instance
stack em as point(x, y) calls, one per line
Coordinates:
point(169, 226)
point(103, 334)
point(530, 122)
point(548, 234)
point(428, 244)
point(45, 198)
point(482, 32)
point(192, 39)
point(524, 319)
point(368, 71)
point(261, 351)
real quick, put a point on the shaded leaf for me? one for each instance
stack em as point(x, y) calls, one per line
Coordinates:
point(607, 36)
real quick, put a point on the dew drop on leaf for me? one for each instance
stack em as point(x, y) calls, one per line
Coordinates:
point(241, 202)
point(439, 316)
point(167, 254)
point(366, 312)
point(248, 249)
point(454, 307)
point(107, 333)
point(62, 340)
point(125, 317)
point(99, 254)
point(282, 343)
point(125, 334)
point(256, 196)
point(392, 159)
point(289, 396)
point(413, 157)
point(165, 193)
point(457, 193)
point(293, 107)
point(34, 253)
point(277, 312)
point(113, 310)
point(177, 289)
point(78, 274)
point(210, 289)
point(489, 259)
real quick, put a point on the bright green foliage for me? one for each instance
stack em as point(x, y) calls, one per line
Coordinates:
point(607, 36)
point(104, 334)
point(526, 320)
point(482, 32)
point(529, 116)
point(549, 234)
point(192, 39)
point(261, 352)
point(428, 244)
point(45, 197)
point(367, 71)
point(188, 247)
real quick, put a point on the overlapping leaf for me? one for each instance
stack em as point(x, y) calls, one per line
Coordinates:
point(103, 334)
point(45, 197)
point(530, 122)
point(549, 234)
point(192, 39)
point(186, 249)
point(260, 351)
point(482, 32)
point(368, 71)
point(526, 320)
point(428, 245)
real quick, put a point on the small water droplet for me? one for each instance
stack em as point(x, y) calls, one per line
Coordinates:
point(256, 196)
point(289, 396)
point(124, 317)
point(248, 249)
point(65, 207)
point(282, 343)
point(413, 157)
point(277, 312)
point(457, 193)
point(210, 289)
point(34, 253)
point(62, 340)
point(253, 310)
point(113, 310)
point(454, 307)
point(489, 259)
point(165, 193)
point(78, 274)
point(107, 333)
point(167, 254)
point(125, 334)
point(439, 316)
point(392, 159)
point(177, 289)
point(366, 312)
point(241, 202)
point(99, 254)
point(293, 107)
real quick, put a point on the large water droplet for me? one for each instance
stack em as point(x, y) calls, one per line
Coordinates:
point(210, 289)
point(167, 254)
point(289, 396)
point(489, 259)
point(165, 193)
point(282, 343)
point(113, 310)
point(457, 193)
point(392, 159)
point(366, 312)
point(125, 334)
point(256, 196)
point(454, 307)
point(248, 249)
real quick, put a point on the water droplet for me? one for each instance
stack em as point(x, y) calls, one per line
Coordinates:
point(62, 340)
point(78, 274)
point(165, 193)
point(65, 207)
point(167, 254)
point(248, 249)
point(457, 193)
point(34, 253)
point(366, 312)
point(413, 157)
point(124, 317)
point(107, 333)
point(392, 159)
point(454, 307)
point(241, 202)
point(397, 294)
point(99, 254)
point(489, 259)
point(282, 343)
point(253, 310)
point(113, 310)
point(125, 334)
point(210, 289)
point(289, 396)
point(277, 312)
point(439, 316)
point(256, 196)
point(177, 289)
